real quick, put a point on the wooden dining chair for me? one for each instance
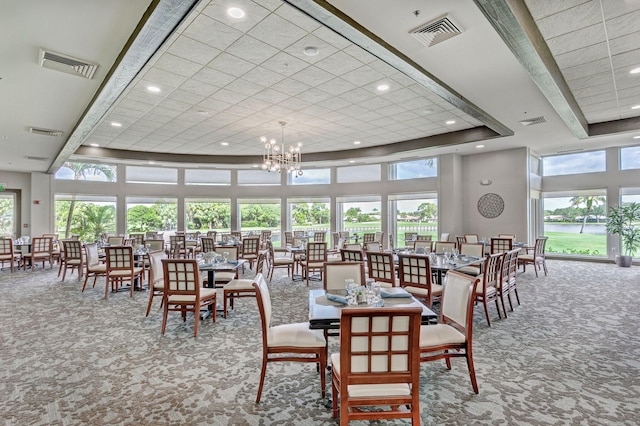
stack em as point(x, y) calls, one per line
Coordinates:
point(95, 267)
point(156, 277)
point(487, 290)
point(535, 256)
point(238, 288)
point(287, 342)
point(73, 258)
point(414, 272)
point(380, 267)
point(41, 251)
point(120, 268)
point(278, 262)
point(441, 246)
point(115, 240)
point(378, 365)
point(351, 255)
point(471, 238)
point(182, 291)
point(250, 250)
point(315, 258)
point(452, 336)
point(335, 274)
point(475, 250)
point(501, 245)
point(7, 253)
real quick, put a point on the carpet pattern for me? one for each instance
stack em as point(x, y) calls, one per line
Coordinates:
point(568, 355)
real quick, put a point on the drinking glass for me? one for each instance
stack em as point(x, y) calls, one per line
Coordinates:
point(352, 295)
point(225, 256)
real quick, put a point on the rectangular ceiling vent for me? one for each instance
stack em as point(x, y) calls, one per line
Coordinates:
point(436, 31)
point(30, 157)
point(45, 132)
point(67, 64)
point(532, 121)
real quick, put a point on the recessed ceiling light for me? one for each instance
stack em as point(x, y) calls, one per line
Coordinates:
point(311, 51)
point(94, 144)
point(450, 122)
point(152, 162)
point(154, 89)
point(202, 112)
point(636, 137)
point(352, 161)
point(383, 87)
point(224, 143)
point(635, 107)
point(116, 124)
point(5, 137)
point(356, 142)
point(427, 111)
point(479, 146)
point(255, 166)
point(635, 71)
point(235, 12)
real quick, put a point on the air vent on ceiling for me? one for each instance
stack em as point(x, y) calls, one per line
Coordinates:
point(67, 64)
point(532, 121)
point(45, 132)
point(436, 31)
point(30, 157)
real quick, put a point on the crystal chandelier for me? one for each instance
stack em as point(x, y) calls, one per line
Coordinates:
point(276, 159)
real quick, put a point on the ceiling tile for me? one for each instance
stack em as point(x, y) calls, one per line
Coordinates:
point(337, 86)
point(252, 50)
point(211, 32)
point(540, 9)
point(585, 55)
point(623, 25)
point(263, 76)
point(254, 13)
point(339, 63)
point(568, 20)
point(231, 64)
point(580, 38)
point(312, 76)
point(193, 50)
point(213, 77)
point(285, 64)
point(275, 31)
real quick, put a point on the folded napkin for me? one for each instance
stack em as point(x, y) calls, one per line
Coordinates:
point(336, 298)
point(204, 265)
point(233, 262)
point(387, 293)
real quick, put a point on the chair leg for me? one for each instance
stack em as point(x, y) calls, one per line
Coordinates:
point(503, 306)
point(262, 374)
point(150, 301)
point(472, 371)
point(196, 320)
point(486, 311)
point(164, 317)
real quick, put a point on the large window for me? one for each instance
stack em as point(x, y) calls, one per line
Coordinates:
point(207, 177)
point(151, 214)
point(87, 171)
point(261, 214)
point(312, 177)
point(568, 164)
point(424, 168)
point(360, 215)
point(84, 215)
point(7, 214)
point(310, 214)
point(630, 158)
point(157, 175)
point(367, 173)
point(628, 195)
point(414, 213)
point(205, 214)
point(258, 177)
point(575, 222)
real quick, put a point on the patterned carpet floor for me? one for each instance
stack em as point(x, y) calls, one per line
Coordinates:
point(568, 355)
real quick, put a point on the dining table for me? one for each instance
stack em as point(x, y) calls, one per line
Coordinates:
point(324, 314)
point(210, 269)
point(440, 265)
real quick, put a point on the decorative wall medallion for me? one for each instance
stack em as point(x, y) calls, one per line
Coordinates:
point(490, 205)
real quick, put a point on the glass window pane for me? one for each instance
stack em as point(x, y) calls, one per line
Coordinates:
point(360, 215)
point(87, 171)
point(414, 213)
point(84, 215)
point(207, 215)
point(576, 224)
point(7, 215)
point(258, 177)
point(311, 215)
point(257, 215)
point(367, 173)
point(159, 175)
point(424, 168)
point(584, 162)
point(312, 177)
point(630, 158)
point(207, 177)
point(152, 214)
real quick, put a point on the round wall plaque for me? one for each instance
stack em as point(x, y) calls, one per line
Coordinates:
point(490, 205)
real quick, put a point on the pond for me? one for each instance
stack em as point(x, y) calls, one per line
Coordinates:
point(571, 228)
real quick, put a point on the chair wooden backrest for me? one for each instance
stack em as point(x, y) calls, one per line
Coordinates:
point(232, 250)
point(352, 246)
point(410, 236)
point(423, 237)
point(181, 278)
point(119, 258)
point(93, 258)
point(288, 238)
point(379, 238)
point(6, 246)
point(177, 243)
point(368, 237)
point(208, 244)
point(471, 238)
point(129, 241)
point(316, 252)
point(444, 237)
point(379, 350)
point(237, 235)
point(457, 304)
point(335, 274)
point(250, 247)
point(155, 245)
point(511, 236)
point(73, 250)
point(539, 247)
point(442, 246)
point(212, 234)
point(460, 240)
point(513, 266)
point(491, 270)
point(151, 235)
point(41, 246)
point(115, 240)
point(262, 257)
point(344, 235)
point(501, 245)
point(299, 234)
point(381, 267)
point(335, 237)
point(138, 238)
point(351, 255)
point(319, 236)
point(415, 271)
point(472, 249)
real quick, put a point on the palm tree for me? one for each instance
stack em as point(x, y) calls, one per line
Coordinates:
point(589, 201)
point(80, 172)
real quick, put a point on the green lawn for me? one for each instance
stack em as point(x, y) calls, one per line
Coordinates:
point(571, 243)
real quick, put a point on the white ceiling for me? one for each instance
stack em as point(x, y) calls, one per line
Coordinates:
point(232, 81)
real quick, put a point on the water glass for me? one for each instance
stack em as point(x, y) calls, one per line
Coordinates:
point(225, 256)
point(352, 294)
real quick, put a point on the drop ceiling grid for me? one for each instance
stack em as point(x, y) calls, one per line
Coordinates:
point(586, 51)
point(236, 86)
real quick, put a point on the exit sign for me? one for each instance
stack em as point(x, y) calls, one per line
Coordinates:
point(2, 186)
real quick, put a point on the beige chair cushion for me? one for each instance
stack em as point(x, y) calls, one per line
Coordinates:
point(471, 270)
point(528, 257)
point(121, 273)
point(205, 293)
point(283, 261)
point(439, 334)
point(100, 268)
point(382, 390)
point(224, 276)
point(243, 284)
point(435, 289)
point(297, 334)
point(490, 290)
